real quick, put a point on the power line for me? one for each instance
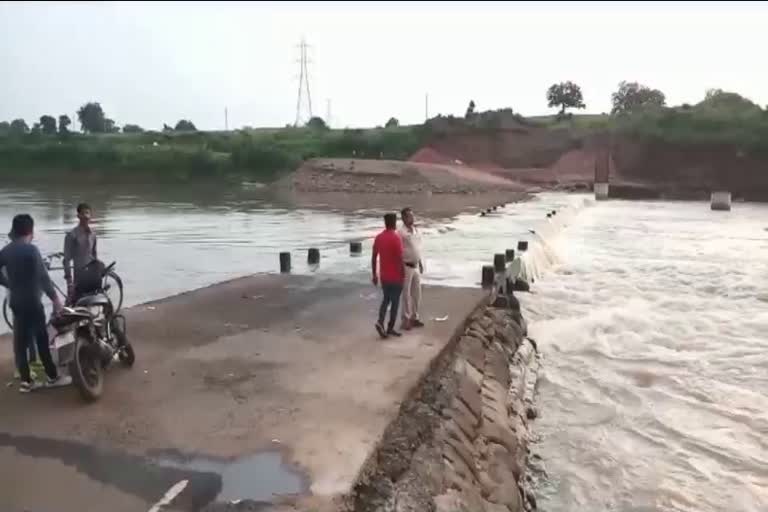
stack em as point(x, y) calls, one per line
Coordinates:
point(303, 82)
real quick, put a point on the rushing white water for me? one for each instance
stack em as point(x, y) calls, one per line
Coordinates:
point(654, 331)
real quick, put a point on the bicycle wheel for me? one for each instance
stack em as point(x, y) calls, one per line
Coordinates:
point(7, 313)
point(113, 287)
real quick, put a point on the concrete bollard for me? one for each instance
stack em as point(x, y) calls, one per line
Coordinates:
point(601, 190)
point(285, 262)
point(499, 262)
point(720, 201)
point(488, 276)
point(313, 256)
point(522, 245)
point(355, 247)
point(510, 254)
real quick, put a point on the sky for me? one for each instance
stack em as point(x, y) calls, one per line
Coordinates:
point(155, 63)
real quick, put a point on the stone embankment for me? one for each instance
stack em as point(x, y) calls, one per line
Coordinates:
point(461, 442)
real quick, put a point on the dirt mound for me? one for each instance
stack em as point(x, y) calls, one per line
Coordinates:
point(428, 155)
point(388, 177)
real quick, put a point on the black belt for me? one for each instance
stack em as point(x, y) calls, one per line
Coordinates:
point(412, 265)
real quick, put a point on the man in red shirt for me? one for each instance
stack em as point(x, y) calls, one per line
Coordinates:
point(388, 247)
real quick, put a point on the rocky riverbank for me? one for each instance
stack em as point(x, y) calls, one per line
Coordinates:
point(460, 443)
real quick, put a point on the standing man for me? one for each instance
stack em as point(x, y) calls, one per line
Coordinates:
point(414, 267)
point(35, 368)
point(389, 249)
point(79, 251)
point(27, 279)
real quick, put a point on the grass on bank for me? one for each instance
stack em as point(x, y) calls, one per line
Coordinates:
point(256, 154)
point(265, 154)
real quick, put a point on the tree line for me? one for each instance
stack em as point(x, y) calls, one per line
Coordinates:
point(92, 120)
point(630, 97)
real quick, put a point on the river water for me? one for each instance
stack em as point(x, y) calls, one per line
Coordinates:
point(654, 330)
point(653, 323)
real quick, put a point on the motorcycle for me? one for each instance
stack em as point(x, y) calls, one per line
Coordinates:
point(90, 336)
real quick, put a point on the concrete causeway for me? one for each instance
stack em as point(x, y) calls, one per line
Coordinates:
point(261, 385)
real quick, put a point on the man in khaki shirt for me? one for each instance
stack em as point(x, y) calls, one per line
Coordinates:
point(79, 253)
point(414, 267)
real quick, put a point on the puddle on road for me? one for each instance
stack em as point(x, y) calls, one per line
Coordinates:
point(256, 478)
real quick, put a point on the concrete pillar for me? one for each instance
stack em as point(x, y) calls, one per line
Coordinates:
point(313, 256)
point(601, 190)
point(510, 254)
point(285, 262)
point(488, 276)
point(499, 262)
point(522, 245)
point(355, 247)
point(721, 201)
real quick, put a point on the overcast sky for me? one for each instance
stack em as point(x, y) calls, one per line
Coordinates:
point(155, 63)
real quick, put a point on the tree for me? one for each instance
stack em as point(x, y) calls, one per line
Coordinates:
point(727, 102)
point(64, 122)
point(36, 129)
point(634, 97)
point(48, 124)
point(19, 127)
point(5, 128)
point(565, 95)
point(167, 128)
point(132, 128)
point(110, 126)
point(92, 118)
point(317, 123)
point(185, 126)
point(470, 109)
point(392, 123)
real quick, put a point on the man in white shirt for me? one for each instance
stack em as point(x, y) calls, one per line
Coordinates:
point(414, 267)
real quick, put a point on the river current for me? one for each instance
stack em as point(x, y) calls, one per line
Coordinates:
point(654, 332)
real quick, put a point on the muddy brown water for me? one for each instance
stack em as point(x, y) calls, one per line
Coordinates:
point(652, 324)
point(654, 330)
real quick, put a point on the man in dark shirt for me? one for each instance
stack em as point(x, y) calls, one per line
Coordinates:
point(389, 249)
point(27, 278)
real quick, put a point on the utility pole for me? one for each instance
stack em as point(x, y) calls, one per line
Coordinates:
point(226, 119)
point(426, 106)
point(303, 81)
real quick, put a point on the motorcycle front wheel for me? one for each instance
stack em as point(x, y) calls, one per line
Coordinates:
point(86, 370)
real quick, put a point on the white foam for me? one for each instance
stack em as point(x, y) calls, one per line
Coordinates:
point(653, 327)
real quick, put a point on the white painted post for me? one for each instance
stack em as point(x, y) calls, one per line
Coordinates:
point(601, 190)
point(721, 201)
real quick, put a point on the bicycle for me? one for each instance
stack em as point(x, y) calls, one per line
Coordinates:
point(111, 281)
